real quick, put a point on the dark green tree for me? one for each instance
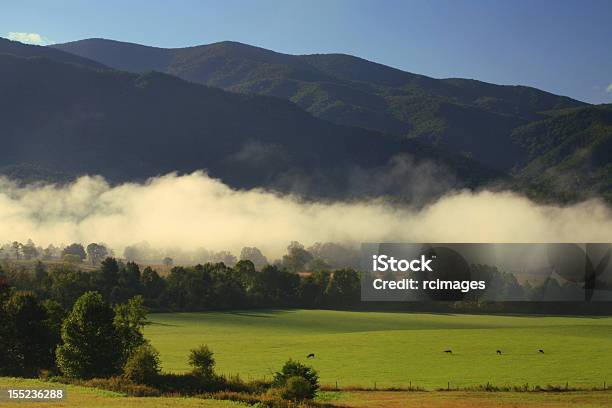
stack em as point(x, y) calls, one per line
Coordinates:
point(106, 278)
point(32, 344)
point(344, 287)
point(6, 331)
point(129, 320)
point(55, 317)
point(153, 285)
point(312, 288)
point(91, 345)
point(68, 284)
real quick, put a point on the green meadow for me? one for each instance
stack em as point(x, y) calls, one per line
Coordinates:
point(395, 349)
point(88, 397)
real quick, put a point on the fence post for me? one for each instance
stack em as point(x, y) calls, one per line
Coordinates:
point(448, 386)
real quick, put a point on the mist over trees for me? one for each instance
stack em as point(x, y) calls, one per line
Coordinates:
point(298, 258)
point(254, 255)
point(217, 281)
point(96, 253)
point(324, 275)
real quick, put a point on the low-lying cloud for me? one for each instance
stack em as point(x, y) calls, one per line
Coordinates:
point(194, 211)
point(27, 38)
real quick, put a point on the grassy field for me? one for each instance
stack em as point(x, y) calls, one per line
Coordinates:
point(86, 397)
point(395, 349)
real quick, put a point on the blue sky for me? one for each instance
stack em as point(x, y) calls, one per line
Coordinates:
point(560, 46)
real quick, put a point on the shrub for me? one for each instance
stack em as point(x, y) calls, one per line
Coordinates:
point(202, 361)
point(190, 384)
point(119, 384)
point(266, 400)
point(297, 369)
point(297, 389)
point(142, 366)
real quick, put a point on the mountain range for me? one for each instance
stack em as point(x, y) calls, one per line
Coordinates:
point(254, 117)
point(351, 91)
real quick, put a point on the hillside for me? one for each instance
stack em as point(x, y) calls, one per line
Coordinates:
point(25, 50)
point(131, 126)
point(569, 152)
point(466, 116)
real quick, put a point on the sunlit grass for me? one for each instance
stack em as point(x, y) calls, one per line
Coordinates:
point(395, 349)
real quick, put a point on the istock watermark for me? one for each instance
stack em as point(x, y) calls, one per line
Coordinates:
point(553, 272)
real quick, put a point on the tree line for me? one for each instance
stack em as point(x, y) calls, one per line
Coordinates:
point(216, 286)
point(194, 288)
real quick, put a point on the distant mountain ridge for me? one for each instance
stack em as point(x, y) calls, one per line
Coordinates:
point(65, 115)
point(74, 119)
point(25, 50)
point(466, 116)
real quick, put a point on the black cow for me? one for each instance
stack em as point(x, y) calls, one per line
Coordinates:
point(541, 351)
point(311, 355)
point(498, 351)
point(448, 351)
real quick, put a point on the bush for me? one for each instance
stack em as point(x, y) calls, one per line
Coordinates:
point(202, 361)
point(192, 384)
point(142, 366)
point(266, 400)
point(297, 389)
point(119, 384)
point(296, 369)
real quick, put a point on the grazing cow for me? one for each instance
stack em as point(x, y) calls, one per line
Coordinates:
point(448, 351)
point(498, 351)
point(541, 351)
point(311, 355)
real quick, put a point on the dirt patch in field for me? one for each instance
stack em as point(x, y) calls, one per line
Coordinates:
point(457, 399)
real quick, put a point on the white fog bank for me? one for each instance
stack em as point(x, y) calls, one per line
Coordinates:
point(194, 211)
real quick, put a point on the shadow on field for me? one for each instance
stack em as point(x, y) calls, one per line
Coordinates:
point(478, 313)
point(150, 323)
point(263, 313)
